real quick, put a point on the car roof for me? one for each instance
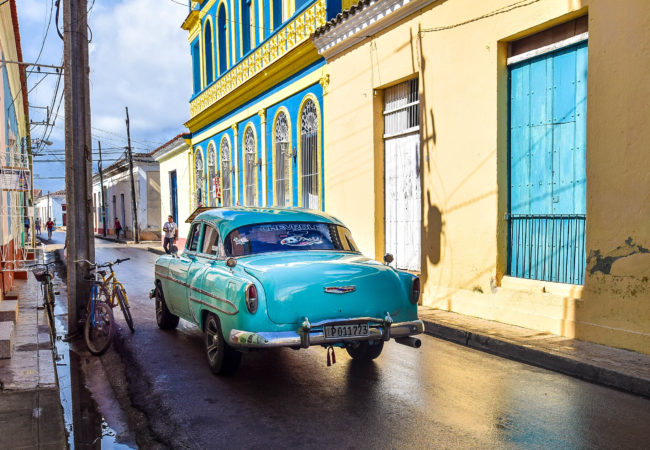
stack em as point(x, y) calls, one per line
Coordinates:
point(227, 219)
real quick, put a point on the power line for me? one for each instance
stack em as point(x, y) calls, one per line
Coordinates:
point(47, 29)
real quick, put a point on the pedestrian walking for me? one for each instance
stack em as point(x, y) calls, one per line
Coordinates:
point(171, 234)
point(118, 228)
point(37, 225)
point(50, 226)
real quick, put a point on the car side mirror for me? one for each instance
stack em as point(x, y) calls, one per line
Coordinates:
point(231, 262)
point(388, 258)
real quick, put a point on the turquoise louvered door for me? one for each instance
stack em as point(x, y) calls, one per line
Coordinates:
point(547, 144)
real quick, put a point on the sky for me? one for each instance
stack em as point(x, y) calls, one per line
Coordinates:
point(139, 57)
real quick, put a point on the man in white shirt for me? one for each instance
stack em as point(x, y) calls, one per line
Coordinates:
point(171, 234)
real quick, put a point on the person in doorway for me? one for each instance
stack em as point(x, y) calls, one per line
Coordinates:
point(50, 226)
point(118, 228)
point(37, 225)
point(26, 228)
point(171, 234)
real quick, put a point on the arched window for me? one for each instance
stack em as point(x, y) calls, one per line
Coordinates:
point(198, 179)
point(225, 172)
point(222, 38)
point(209, 64)
point(282, 161)
point(250, 153)
point(245, 11)
point(309, 155)
point(276, 11)
point(212, 174)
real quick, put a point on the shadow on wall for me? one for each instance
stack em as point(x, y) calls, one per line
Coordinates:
point(433, 232)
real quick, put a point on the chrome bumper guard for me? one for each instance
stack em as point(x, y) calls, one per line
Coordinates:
point(314, 333)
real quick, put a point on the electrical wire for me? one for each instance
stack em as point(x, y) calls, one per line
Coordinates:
point(47, 29)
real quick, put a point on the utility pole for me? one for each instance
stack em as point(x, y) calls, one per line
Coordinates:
point(78, 160)
point(134, 207)
point(102, 200)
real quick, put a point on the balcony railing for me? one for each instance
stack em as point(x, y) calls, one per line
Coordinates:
point(547, 247)
point(282, 42)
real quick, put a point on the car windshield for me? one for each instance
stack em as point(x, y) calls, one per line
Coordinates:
point(288, 236)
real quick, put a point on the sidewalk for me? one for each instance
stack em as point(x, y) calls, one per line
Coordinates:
point(31, 415)
point(621, 369)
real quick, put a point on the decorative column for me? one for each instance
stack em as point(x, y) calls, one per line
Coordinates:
point(262, 114)
point(190, 166)
point(235, 132)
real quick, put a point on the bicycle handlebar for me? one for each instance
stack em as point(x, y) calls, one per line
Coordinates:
point(106, 264)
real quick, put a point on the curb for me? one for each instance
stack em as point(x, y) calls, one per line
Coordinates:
point(538, 358)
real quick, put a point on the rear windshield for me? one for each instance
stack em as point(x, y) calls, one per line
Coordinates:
point(288, 236)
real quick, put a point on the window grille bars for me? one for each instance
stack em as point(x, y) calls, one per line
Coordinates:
point(226, 199)
point(309, 155)
point(282, 161)
point(547, 247)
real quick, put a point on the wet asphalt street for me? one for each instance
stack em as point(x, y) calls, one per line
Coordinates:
point(439, 396)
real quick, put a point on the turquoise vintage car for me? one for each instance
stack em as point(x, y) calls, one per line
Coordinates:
point(254, 278)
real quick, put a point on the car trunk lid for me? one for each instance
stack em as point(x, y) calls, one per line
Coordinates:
point(323, 285)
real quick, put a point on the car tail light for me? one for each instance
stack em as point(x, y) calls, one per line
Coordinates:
point(415, 291)
point(251, 298)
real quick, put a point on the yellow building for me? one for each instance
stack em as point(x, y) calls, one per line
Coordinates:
point(174, 158)
point(500, 149)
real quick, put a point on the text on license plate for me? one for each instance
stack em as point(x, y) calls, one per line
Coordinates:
point(340, 331)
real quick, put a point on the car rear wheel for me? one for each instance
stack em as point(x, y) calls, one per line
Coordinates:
point(222, 359)
point(165, 319)
point(366, 351)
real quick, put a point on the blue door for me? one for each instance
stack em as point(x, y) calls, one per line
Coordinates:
point(547, 179)
point(173, 184)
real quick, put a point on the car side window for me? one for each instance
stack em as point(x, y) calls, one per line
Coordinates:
point(210, 241)
point(193, 240)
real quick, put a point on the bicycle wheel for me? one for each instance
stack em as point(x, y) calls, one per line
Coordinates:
point(99, 330)
point(124, 306)
point(50, 292)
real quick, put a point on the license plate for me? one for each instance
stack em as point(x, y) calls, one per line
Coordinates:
point(344, 331)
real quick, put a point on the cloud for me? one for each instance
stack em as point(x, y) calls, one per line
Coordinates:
point(139, 57)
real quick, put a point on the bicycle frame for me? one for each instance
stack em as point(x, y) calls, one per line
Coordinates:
point(110, 281)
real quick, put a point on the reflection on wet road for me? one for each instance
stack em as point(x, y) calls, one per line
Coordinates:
point(441, 395)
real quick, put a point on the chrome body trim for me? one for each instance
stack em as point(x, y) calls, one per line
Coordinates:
point(208, 305)
point(314, 334)
point(201, 291)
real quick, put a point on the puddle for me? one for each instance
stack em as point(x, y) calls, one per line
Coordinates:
point(86, 426)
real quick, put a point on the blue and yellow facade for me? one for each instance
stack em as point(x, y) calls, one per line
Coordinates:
point(257, 112)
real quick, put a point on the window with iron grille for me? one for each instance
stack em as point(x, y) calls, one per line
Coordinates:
point(282, 161)
point(250, 153)
point(199, 181)
point(212, 175)
point(309, 155)
point(403, 211)
point(225, 172)
point(546, 165)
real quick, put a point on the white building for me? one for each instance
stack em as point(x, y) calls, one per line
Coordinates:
point(51, 205)
point(117, 194)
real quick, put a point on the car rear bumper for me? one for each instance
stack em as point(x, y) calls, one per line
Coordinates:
point(314, 334)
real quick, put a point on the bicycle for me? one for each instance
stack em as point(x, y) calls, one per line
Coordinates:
point(43, 275)
point(107, 292)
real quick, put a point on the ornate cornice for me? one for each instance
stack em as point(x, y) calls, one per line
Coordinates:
point(269, 53)
point(369, 17)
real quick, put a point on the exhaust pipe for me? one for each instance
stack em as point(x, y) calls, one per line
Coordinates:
point(410, 341)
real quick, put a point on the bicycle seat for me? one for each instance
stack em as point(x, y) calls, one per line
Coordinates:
point(101, 272)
